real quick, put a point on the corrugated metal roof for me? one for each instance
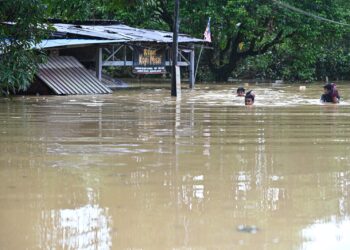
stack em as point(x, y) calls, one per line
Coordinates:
point(54, 43)
point(65, 75)
point(109, 34)
point(123, 33)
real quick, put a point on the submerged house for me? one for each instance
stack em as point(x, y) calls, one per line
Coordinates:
point(77, 54)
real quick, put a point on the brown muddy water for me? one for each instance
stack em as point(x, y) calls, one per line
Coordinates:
point(140, 170)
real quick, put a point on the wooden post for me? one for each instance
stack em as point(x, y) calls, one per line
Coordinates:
point(175, 48)
point(124, 55)
point(99, 64)
point(178, 81)
point(191, 69)
point(198, 60)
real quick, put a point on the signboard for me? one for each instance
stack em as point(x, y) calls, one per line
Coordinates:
point(149, 61)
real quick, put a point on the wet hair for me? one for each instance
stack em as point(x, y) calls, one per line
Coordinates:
point(240, 89)
point(250, 95)
point(329, 86)
point(332, 93)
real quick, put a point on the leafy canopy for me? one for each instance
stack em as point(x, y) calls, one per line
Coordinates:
point(26, 28)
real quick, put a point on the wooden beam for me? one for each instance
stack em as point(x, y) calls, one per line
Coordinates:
point(183, 57)
point(124, 55)
point(113, 53)
point(181, 64)
point(130, 63)
point(191, 69)
point(117, 63)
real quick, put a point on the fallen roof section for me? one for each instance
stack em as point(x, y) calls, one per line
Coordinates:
point(123, 33)
point(65, 75)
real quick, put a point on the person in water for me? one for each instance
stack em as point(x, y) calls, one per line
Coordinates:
point(249, 98)
point(331, 93)
point(240, 91)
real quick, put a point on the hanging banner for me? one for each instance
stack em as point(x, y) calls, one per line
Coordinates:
point(149, 61)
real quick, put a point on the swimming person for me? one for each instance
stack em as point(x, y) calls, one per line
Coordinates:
point(240, 91)
point(330, 93)
point(249, 98)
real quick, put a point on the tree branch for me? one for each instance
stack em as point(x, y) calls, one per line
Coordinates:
point(263, 49)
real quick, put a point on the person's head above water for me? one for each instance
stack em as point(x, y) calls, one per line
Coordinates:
point(330, 93)
point(249, 98)
point(328, 88)
point(240, 91)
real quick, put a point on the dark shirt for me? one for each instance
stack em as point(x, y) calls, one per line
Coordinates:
point(329, 97)
point(326, 98)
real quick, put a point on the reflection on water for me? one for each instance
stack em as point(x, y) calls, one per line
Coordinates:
point(85, 227)
point(331, 234)
point(140, 170)
point(80, 228)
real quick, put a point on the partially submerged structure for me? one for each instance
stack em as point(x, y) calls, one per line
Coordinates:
point(74, 47)
point(65, 75)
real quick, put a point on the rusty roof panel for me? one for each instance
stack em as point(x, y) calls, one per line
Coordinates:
point(65, 75)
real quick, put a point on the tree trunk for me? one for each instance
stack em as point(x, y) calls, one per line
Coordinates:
point(223, 73)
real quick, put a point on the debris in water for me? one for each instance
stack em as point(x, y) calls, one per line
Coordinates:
point(278, 81)
point(247, 229)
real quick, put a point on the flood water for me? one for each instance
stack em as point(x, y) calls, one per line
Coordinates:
point(140, 170)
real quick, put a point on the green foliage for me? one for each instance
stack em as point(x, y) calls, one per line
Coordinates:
point(17, 70)
point(270, 42)
point(69, 9)
point(318, 51)
point(79, 10)
point(17, 61)
point(334, 60)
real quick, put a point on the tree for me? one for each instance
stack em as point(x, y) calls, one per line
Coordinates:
point(270, 41)
point(18, 62)
point(23, 25)
point(318, 49)
point(80, 10)
point(265, 26)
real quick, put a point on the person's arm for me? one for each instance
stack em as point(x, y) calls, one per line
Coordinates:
point(335, 99)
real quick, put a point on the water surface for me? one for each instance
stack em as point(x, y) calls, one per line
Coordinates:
point(141, 170)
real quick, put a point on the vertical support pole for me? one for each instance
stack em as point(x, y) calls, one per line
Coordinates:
point(99, 64)
point(191, 69)
point(113, 53)
point(178, 81)
point(198, 60)
point(175, 48)
point(124, 55)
